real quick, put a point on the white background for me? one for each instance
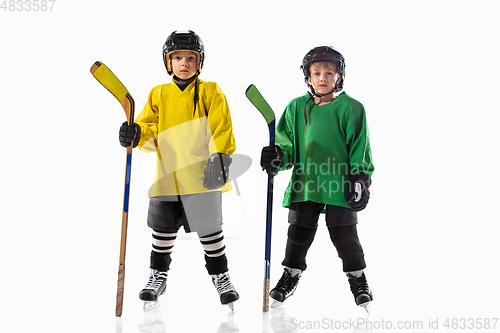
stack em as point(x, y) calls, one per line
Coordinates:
point(427, 73)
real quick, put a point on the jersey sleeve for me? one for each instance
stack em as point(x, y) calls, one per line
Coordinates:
point(358, 141)
point(285, 138)
point(148, 121)
point(219, 120)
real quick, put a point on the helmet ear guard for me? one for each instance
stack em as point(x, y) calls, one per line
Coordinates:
point(183, 41)
point(328, 54)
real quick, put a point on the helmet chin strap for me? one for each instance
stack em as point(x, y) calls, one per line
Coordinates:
point(315, 94)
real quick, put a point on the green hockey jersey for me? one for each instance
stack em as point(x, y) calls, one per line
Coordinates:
point(324, 145)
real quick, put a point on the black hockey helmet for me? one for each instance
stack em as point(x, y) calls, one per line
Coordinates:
point(183, 41)
point(324, 53)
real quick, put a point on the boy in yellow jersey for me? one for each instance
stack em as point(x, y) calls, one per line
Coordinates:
point(188, 124)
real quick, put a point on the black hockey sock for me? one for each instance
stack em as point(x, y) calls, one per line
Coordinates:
point(216, 265)
point(346, 241)
point(298, 243)
point(160, 261)
point(163, 244)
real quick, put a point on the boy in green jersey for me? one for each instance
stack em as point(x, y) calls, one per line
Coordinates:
point(324, 137)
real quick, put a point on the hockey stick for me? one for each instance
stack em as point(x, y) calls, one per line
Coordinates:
point(102, 73)
point(260, 103)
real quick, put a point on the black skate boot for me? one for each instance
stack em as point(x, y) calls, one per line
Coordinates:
point(286, 286)
point(154, 289)
point(227, 293)
point(361, 291)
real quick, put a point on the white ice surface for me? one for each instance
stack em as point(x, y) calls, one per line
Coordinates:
point(427, 73)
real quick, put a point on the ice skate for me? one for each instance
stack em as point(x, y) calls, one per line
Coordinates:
point(154, 289)
point(227, 293)
point(285, 287)
point(361, 291)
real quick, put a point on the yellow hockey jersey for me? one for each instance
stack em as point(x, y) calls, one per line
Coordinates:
point(183, 136)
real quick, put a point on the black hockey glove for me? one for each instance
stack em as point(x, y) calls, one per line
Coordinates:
point(357, 193)
point(217, 171)
point(130, 134)
point(270, 158)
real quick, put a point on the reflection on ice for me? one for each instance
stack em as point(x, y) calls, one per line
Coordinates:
point(277, 321)
point(153, 323)
point(228, 326)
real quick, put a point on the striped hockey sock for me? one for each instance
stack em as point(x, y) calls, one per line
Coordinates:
point(213, 244)
point(163, 242)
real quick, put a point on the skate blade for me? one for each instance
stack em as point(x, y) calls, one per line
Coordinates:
point(276, 304)
point(366, 306)
point(231, 306)
point(150, 305)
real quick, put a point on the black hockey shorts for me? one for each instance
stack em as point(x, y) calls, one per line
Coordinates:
point(306, 214)
point(201, 213)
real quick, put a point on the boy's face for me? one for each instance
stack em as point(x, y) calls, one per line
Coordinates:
point(184, 64)
point(323, 77)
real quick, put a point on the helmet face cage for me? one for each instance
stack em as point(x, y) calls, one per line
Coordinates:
point(323, 53)
point(183, 41)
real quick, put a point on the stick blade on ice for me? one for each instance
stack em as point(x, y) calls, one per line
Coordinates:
point(260, 103)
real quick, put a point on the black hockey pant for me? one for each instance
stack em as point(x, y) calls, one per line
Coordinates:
point(344, 238)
